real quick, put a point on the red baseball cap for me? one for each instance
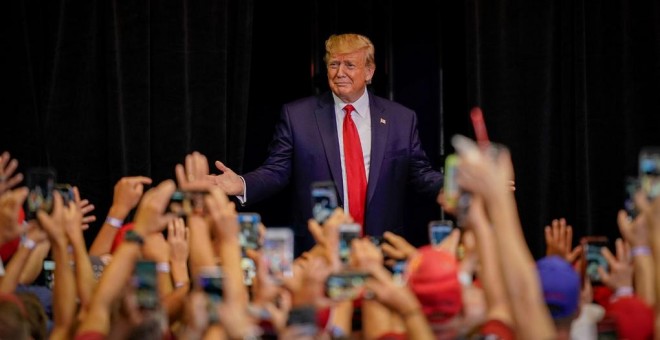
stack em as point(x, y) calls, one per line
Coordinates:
point(433, 277)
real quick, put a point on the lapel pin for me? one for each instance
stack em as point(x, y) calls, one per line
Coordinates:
point(383, 121)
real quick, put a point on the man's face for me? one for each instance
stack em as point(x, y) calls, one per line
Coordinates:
point(348, 75)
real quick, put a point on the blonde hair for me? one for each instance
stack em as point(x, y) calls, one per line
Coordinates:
point(348, 43)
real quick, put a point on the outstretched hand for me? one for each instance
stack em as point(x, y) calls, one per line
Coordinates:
point(228, 180)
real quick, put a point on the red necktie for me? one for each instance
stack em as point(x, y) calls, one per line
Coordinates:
point(356, 178)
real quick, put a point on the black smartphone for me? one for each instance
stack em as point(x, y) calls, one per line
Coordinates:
point(345, 285)
point(324, 200)
point(249, 226)
point(398, 270)
point(649, 171)
point(592, 246)
point(439, 230)
point(41, 183)
point(146, 284)
point(184, 203)
point(347, 232)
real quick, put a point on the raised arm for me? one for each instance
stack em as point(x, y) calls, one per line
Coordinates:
point(150, 218)
point(480, 174)
point(127, 194)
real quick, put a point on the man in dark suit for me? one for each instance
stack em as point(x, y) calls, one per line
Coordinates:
point(372, 154)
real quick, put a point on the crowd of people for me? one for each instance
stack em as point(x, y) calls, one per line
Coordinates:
point(480, 282)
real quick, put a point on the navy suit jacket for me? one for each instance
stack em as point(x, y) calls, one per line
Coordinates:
point(305, 149)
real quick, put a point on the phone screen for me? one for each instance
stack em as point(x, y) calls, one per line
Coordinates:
point(649, 171)
point(324, 200)
point(278, 250)
point(346, 285)
point(347, 232)
point(594, 258)
point(144, 280)
point(439, 230)
point(41, 183)
point(249, 236)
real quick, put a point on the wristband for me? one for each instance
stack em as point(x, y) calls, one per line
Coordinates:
point(115, 222)
point(622, 292)
point(640, 251)
point(163, 267)
point(28, 243)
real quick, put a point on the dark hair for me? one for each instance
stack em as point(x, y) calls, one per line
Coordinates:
point(12, 323)
point(36, 315)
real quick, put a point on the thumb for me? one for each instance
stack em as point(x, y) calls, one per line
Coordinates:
point(221, 166)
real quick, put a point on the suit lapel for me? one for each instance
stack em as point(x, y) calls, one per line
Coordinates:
point(327, 125)
point(379, 131)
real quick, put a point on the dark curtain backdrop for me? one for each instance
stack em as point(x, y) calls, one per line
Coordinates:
point(572, 88)
point(104, 89)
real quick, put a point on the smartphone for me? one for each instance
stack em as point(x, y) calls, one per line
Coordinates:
point(345, 285)
point(347, 232)
point(451, 190)
point(146, 284)
point(66, 191)
point(49, 273)
point(324, 200)
point(649, 171)
point(249, 230)
point(439, 230)
point(278, 250)
point(631, 187)
point(41, 183)
point(98, 266)
point(593, 258)
point(209, 280)
point(184, 203)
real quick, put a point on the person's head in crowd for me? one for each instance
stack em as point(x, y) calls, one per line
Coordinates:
point(632, 318)
point(432, 275)
point(561, 288)
point(13, 318)
point(36, 315)
point(350, 62)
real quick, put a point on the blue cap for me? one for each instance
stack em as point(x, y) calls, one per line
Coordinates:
point(561, 285)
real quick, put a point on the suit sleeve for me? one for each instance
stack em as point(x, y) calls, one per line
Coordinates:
point(422, 176)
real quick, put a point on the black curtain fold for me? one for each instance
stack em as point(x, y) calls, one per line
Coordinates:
point(105, 89)
point(570, 87)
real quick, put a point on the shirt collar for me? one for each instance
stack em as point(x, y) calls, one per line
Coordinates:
point(361, 105)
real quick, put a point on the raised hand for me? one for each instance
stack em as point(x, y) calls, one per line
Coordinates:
point(194, 175)
point(8, 166)
point(150, 216)
point(397, 247)
point(634, 232)
point(128, 192)
point(85, 208)
point(559, 240)
point(621, 269)
point(10, 205)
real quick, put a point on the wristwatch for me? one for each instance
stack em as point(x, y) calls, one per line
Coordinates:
point(132, 236)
